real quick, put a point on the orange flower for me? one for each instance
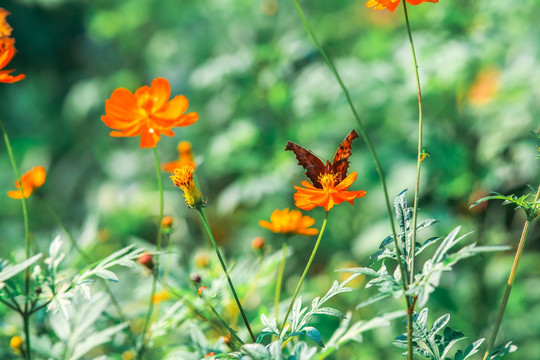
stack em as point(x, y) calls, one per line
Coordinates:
point(183, 178)
point(392, 4)
point(185, 157)
point(290, 222)
point(309, 197)
point(7, 50)
point(147, 113)
point(32, 180)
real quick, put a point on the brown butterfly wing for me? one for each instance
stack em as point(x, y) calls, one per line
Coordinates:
point(309, 161)
point(341, 159)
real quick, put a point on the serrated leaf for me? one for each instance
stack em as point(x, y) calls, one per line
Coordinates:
point(373, 299)
point(438, 325)
point(470, 350)
point(330, 311)
point(425, 224)
point(106, 274)
point(389, 239)
point(12, 270)
point(314, 334)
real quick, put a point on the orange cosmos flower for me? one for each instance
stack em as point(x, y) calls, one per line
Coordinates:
point(290, 222)
point(309, 197)
point(392, 4)
point(7, 50)
point(185, 157)
point(31, 180)
point(147, 113)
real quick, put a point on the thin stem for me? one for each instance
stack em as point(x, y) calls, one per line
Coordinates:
point(364, 134)
point(321, 232)
point(511, 278)
point(279, 280)
point(26, 237)
point(223, 323)
point(412, 248)
point(155, 270)
point(211, 236)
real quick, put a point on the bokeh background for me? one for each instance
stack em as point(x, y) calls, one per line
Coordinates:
point(251, 72)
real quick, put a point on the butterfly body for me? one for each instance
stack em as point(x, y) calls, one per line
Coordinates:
point(315, 167)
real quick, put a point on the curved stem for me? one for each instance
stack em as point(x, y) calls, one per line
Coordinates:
point(279, 280)
point(510, 282)
point(25, 315)
point(321, 232)
point(155, 270)
point(412, 248)
point(364, 134)
point(211, 236)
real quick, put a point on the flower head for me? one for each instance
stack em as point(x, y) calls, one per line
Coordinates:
point(183, 178)
point(290, 222)
point(185, 157)
point(392, 4)
point(309, 197)
point(31, 180)
point(148, 112)
point(7, 50)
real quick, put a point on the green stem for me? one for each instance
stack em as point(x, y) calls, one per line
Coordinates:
point(211, 236)
point(510, 282)
point(412, 248)
point(223, 323)
point(26, 237)
point(155, 270)
point(364, 134)
point(321, 232)
point(279, 281)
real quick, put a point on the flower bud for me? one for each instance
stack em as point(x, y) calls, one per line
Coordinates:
point(258, 243)
point(16, 343)
point(167, 224)
point(147, 260)
point(196, 278)
point(201, 289)
point(211, 353)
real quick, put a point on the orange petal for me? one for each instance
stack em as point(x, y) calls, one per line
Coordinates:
point(174, 108)
point(38, 176)
point(187, 119)
point(6, 57)
point(161, 90)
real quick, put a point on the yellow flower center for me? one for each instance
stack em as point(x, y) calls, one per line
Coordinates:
point(327, 180)
point(146, 102)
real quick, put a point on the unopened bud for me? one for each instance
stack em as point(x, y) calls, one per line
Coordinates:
point(211, 353)
point(258, 243)
point(196, 278)
point(146, 259)
point(201, 289)
point(167, 224)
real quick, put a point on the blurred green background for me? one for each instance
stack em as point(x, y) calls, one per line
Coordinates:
point(251, 72)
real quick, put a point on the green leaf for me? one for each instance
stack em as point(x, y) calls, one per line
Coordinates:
point(314, 334)
point(12, 270)
point(438, 325)
point(329, 311)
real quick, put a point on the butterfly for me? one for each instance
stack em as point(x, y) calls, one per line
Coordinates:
point(315, 167)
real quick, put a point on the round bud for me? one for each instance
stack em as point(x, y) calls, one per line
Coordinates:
point(258, 243)
point(146, 259)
